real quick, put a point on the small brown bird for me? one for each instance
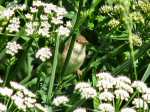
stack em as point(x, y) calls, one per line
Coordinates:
point(78, 54)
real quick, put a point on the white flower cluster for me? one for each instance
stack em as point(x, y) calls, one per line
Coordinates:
point(43, 28)
point(121, 88)
point(14, 25)
point(128, 110)
point(3, 107)
point(43, 54)
point(86, 90)
point(7, 13)
point(12, 48)
point(80, 110)
point(21, 97)
point(59, 100)
point(50, 16)
point(106, 107)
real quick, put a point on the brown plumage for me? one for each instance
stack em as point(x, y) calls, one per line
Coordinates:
point(78, 54)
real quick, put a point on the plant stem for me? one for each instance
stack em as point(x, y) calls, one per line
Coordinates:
point(128, 22)
point(7, 72)
point(73, 38)
point(29, 74)
point(77, 104)
point(52, 77)
point(132, 53)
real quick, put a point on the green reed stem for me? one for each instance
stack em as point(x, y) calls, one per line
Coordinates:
point(129, 24)
point(73, 38)
point(29, 74)
point(132, 52)
point(78, 103)
point(7, 74)
point(52, 77)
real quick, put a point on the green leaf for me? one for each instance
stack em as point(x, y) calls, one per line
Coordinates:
point(146, 74)
point(1, 8)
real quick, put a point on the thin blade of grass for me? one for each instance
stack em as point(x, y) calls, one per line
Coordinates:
point(146, 74)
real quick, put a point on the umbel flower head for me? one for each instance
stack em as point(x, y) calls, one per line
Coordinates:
point(43, 54)
point(12, 48)
point(21, 98)
point(59, 100)
point(3, 107)
point(121, 88)
point(80, 110)
point(85, 90)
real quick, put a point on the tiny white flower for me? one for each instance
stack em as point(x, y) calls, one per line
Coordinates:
point(80, 110)
point(140, 86)
point(12, 48)
point(33, 9)
point(88, 93)
point(121, 94)
point(105, 85)
point(43, 17)
point(30, 28)
point(28, 93)
point(20, 94)
point(14, 25)
point(106, 107)
point(81, 85)
point(45, 24)
point(3, 108)
point(124, 79)
point(128, 110)
point(19, 102)
point(37, 3)
point(68, 24)
point(60, 11)
point(1, 81)
point(29, 16)
point(43, 54)
point(122, 85)
point(48, 8)
point(63, 31)
point(146, 97)
point(40, 107)
point(140, 103)
point(147, 91)
point(29, 102)
point(17, 86)
point(6, 91)
point(7, 13)
point(106, 96)
point(56, 21)
point(22, 88)
point(60, 100)
point(44, 31)
point(106, 9)
point(22, 7)
point(104, 76)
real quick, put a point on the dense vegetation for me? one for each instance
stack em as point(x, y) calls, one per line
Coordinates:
point(74, 55)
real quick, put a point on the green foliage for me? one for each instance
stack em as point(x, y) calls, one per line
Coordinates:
point(118, 42)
